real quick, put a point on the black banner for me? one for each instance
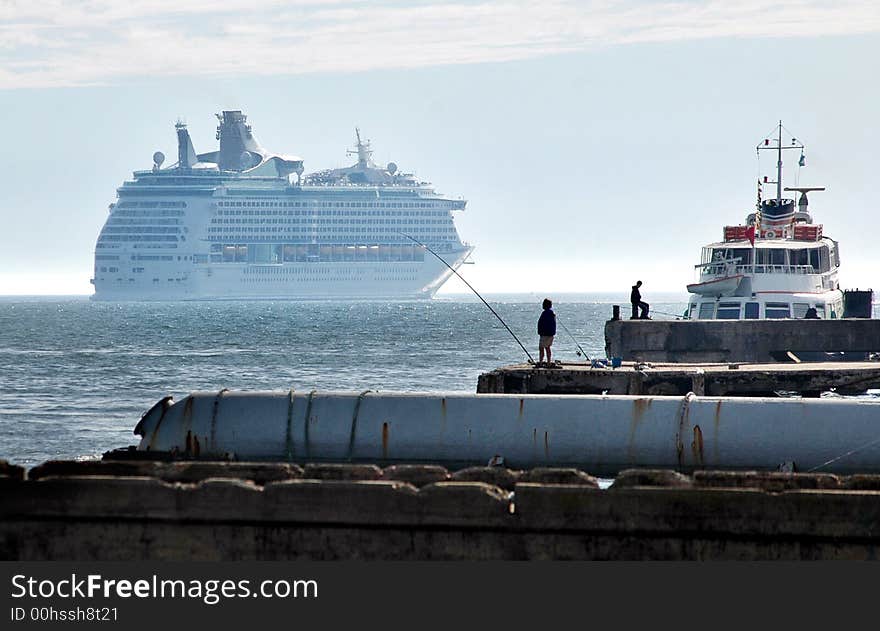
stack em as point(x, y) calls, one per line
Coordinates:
point(159, 596)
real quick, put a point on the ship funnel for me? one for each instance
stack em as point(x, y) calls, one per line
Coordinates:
point(186, 154)
point(236, 138)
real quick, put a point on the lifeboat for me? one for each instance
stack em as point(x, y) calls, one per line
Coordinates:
point(723, 286)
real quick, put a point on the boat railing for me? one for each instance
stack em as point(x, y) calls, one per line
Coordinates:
point(720, 269)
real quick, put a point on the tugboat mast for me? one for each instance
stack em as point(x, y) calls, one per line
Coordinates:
point(779, 165)
point(766, 145)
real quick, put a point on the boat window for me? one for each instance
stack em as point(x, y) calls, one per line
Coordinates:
point(824, 264)
point(751, 311)
point(760, 256)
point(766, 256)
point(820, 311)
point(777, 257)
point(799, 257)
point(721, 254)
point(707, 310)
point(777, 310)
point(743, 254)
point(799, 309)
point(692, 311)
point(728, 311)
point(706, 255)
point(814, 259)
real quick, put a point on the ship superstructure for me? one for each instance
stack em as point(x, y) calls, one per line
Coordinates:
point(779, 264)
point(241, 222)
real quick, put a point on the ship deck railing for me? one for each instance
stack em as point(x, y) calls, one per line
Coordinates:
point(719, 270)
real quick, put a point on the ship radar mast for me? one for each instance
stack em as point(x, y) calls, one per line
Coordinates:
point(778, 147)
point(803, 202)
point(363, 151)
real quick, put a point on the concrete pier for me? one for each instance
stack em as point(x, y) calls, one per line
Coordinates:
point(751, 341)
point(104, 511)
point(657, 378)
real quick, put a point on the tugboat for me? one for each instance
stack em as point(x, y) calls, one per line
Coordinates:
point(777, 265)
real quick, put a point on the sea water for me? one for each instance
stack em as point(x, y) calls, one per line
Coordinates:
point(76, 375)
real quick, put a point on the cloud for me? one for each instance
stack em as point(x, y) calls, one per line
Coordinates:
point(56, 43)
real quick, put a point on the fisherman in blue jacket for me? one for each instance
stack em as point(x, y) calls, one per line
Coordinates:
point(546, 330)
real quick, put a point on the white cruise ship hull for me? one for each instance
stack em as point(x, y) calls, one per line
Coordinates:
point(292, 281)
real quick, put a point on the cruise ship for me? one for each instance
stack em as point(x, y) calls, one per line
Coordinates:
point(777, 265)
point(243, 223)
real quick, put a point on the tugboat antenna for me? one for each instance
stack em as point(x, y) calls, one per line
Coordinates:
point(779, 165)
point(778, 148)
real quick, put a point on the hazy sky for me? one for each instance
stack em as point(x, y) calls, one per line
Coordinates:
point(596, 142)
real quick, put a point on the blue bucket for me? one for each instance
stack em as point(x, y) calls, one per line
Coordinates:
point(616, 362)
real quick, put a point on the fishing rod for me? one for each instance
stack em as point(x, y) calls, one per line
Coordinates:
point(580, 350)
point(673, 315)
point(452, 269)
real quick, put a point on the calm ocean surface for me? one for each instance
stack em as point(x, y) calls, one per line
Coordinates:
point(75, 375)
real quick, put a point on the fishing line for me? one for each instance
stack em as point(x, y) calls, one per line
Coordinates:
point(849, 453)
point(580, 350)
point(452, 269)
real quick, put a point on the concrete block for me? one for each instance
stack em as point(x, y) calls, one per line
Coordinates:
point(322, 471)
point(127, 498)
point(91, 497)
point(496, 476)
point(418, 475)
point(219, 500)
point(380, 503)
point(465, 503)
point(650, 477)
point(810, 515)
point(861, 482)
point(258, 472)
point(753, 341)
point(376, 502)
point(555, 475)
point(555, 506)
point(770, 481)
point(65, 468)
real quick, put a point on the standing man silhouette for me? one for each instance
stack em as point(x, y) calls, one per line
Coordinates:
point(635, 299)
point(546, 330)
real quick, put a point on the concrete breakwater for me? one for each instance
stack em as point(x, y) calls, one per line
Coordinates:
point(149, 510)
point(808, 379)
point(752, 341)
point(600, 434)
